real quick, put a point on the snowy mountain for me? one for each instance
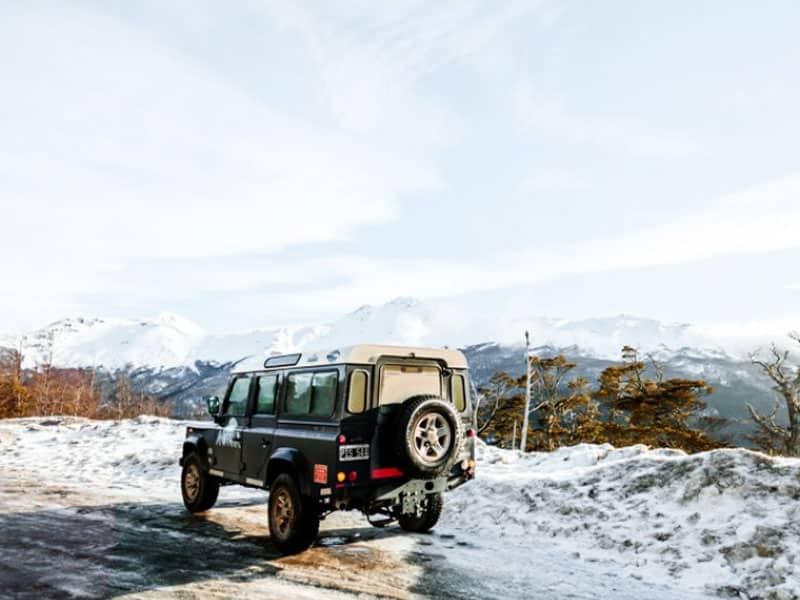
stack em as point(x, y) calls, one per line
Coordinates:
point(177, 360)
point(169, 341)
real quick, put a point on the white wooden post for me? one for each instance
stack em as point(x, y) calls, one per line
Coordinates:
point(514, 436)
point(524, 437)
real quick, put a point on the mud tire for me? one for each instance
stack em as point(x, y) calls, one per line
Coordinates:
point(198, 488)
point(425, 521)
point(293, 519)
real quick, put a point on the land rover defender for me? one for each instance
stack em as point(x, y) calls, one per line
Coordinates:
point(380, 429)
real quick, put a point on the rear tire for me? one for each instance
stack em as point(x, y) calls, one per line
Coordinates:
point(198, 488)
point(293, 519)
point(427, 520)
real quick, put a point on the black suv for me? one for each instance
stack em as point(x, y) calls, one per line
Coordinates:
point(380, 429)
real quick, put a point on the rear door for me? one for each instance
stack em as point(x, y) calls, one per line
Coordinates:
point(258, 437)
point(228, 445)
point(397, 381)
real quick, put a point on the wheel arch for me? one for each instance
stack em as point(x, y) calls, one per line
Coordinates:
point(195, 444)
point(291, 461)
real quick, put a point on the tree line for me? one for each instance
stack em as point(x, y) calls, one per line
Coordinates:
point(630, 403)
point(47, 390)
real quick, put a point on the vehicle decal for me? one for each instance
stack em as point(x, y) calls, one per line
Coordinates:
point(320, 473)
point(226, 437)
point(252, 481)
point(215, 472)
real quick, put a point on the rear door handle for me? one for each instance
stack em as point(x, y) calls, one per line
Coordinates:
point(265, 442)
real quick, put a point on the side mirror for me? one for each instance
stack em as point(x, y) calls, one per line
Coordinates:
point(213, 405)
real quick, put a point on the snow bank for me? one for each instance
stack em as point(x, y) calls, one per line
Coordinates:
point(140, 453)
point(136, 457)
point(725, 522)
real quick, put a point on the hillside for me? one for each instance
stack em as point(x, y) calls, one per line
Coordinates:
point(179, 361)
point(168, 341)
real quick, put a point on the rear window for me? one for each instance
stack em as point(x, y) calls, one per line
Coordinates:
point(400, 382)
point(459, 393)
point(311, 394)
point(357, 396)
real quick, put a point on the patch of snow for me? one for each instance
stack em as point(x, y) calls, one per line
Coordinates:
point(723, 522)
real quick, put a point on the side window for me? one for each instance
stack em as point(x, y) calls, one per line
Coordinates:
point(357, 395)
point(311, 394)
point(323, 396)
point(459, 393)
point(237, 400)
point(298, 394)
point(265, 401)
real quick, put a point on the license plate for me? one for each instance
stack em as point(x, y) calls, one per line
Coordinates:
point(354, 452)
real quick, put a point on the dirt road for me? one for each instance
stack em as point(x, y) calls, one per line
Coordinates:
point(60, 541)
point(64, 542)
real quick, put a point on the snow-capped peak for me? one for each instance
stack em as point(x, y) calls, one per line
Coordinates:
point(169, 340)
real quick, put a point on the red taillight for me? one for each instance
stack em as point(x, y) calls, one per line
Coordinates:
point(342, 439)
point(352, 476)
point(470, 433)
point(386, 472)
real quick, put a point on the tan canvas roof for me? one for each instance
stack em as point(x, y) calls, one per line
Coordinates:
point(364, 354)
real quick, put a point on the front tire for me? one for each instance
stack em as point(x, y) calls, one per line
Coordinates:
point(425, 521)
point(198, 488)
point(293, 519)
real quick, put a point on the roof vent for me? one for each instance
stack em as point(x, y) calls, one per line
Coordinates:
point(332, 356)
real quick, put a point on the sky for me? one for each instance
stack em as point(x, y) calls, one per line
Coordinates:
point(258, 164)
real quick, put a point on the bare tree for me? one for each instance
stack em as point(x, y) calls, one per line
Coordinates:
point(786, 377)
point(557, 410)
point(500, 386)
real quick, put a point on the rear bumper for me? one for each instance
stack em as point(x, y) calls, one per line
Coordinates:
point(391, 493)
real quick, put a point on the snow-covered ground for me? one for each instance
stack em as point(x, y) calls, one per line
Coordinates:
point(582, 522)
point(726, 521)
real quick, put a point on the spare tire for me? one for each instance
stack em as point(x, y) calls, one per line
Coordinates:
point(429, 434)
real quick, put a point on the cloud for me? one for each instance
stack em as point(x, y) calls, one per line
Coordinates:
point(135, 152)
point(138, 167)
point(759, 219)
point(373, 61)
point(547, 180)
point(547, 116)
point(273, 290)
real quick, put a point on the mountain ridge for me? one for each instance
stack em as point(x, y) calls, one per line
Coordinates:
point(169, 341)
point(178, 361)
